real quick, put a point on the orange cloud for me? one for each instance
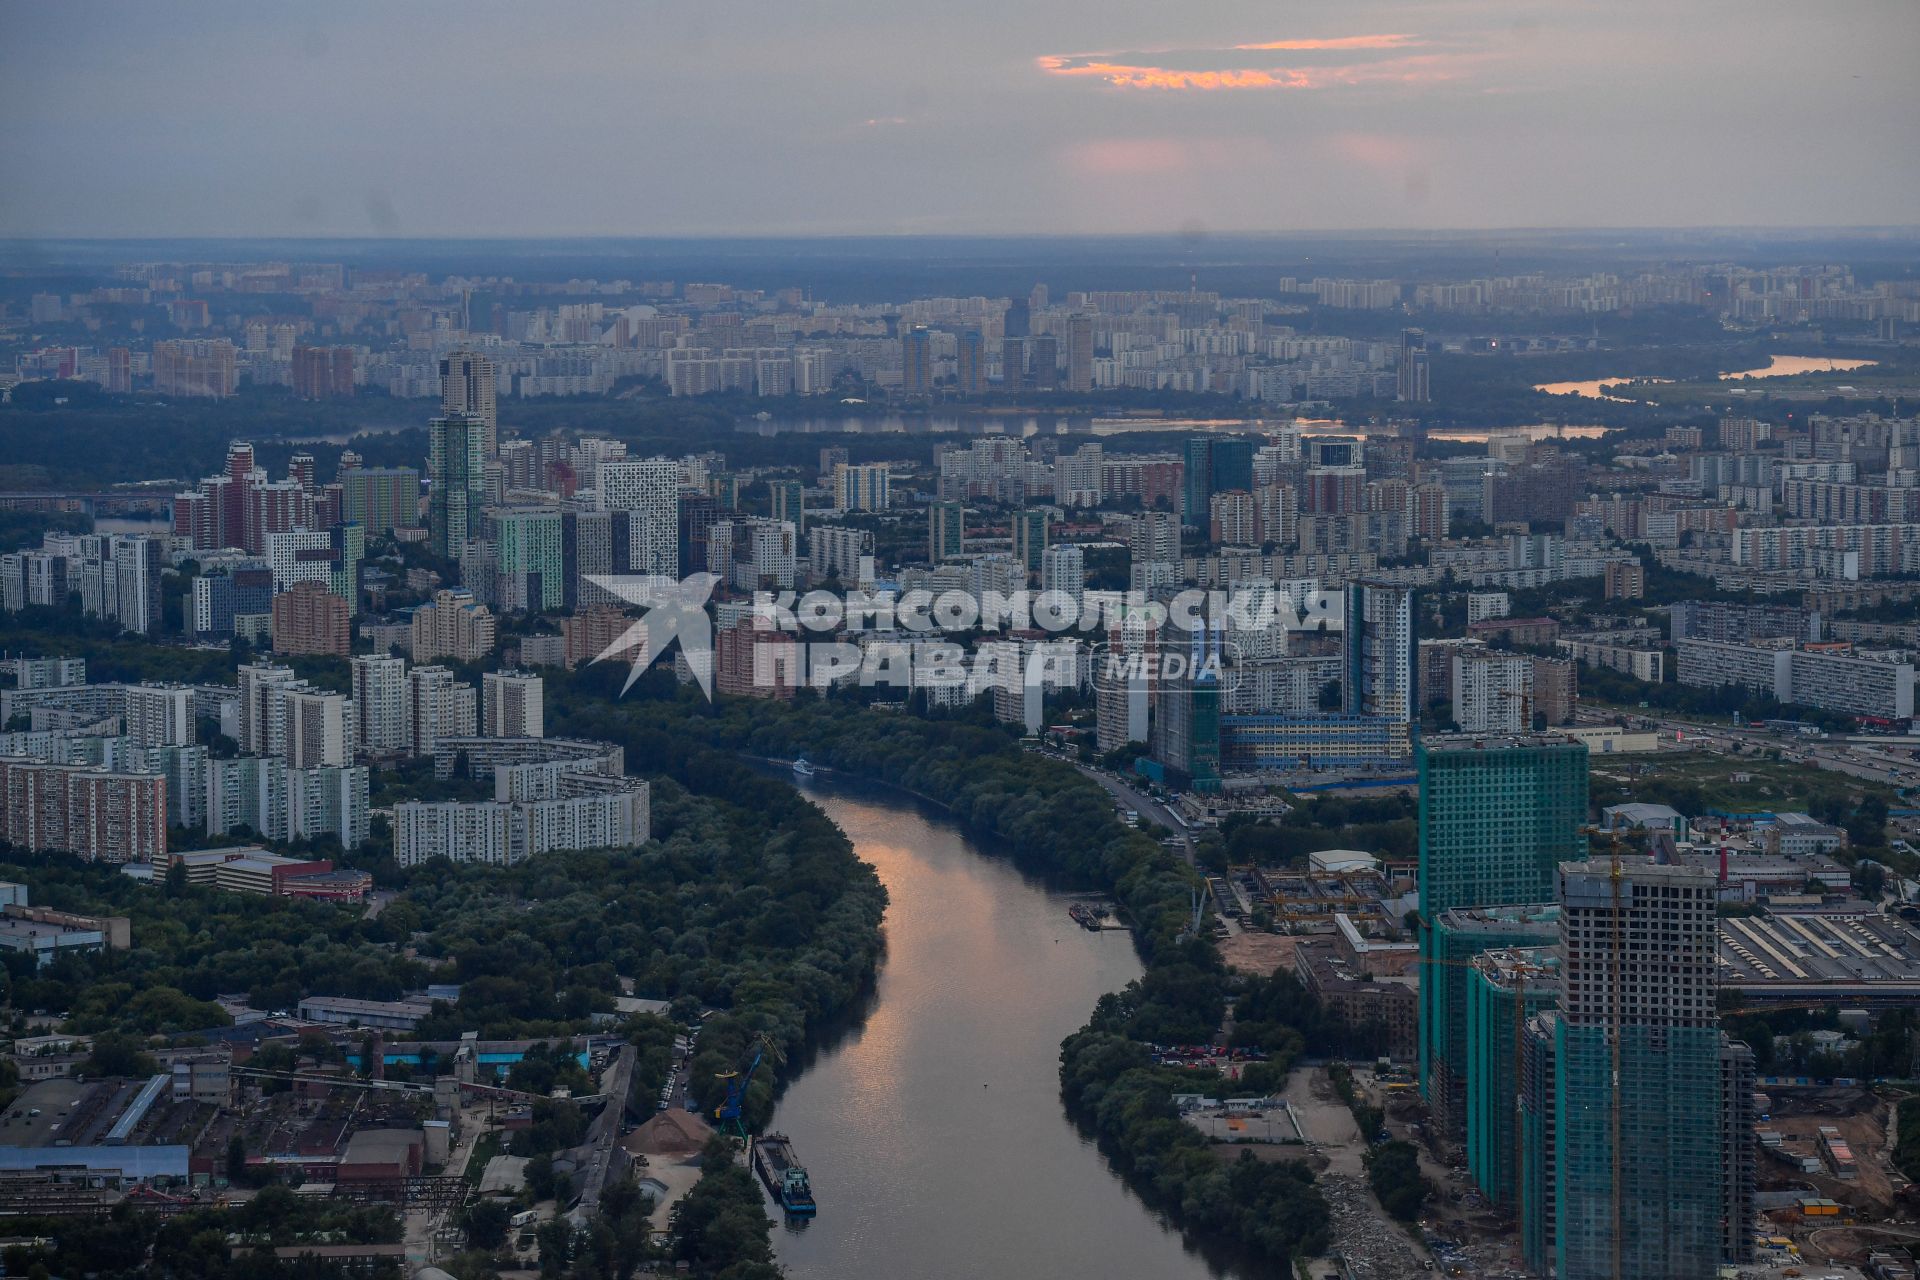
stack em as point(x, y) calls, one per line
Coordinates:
point(1338, 42)
point(1230, 68)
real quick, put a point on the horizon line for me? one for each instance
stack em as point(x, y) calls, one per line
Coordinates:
point(1200, 238)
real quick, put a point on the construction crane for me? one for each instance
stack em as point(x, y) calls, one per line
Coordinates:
point(728, 1112)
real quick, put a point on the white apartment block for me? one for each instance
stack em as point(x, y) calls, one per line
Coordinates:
point(1642, 664)
point(1063, 570)
point(1830, 681)
point(439, 707)
point(1482, 605)
point(159, 715)
point(1492, 693)
point(319, 729)
point(285, 556)
point(276, 802)
point(512, 705)
point(380, 704)
point(837, 553)
point(501, 833)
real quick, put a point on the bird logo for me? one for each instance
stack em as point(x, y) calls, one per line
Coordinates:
point(675, 610)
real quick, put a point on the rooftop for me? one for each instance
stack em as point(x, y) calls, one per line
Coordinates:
point(1866, 953)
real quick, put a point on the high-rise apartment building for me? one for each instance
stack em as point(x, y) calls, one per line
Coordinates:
point(946, 531)
point(972, 363)
point(1043, 362)
point(454, 625)
point(1492, 692)
point(456, 478)
point(1123, 681)
point(468, 387)
point(196, 367)
point(309, 619)
point(136, 568)
point(1013, 363)
point(787, 500)
point(1505, 987)
point(439, 707)
point(512, 705)
point(319, 730)
point(916, 361)
point(1381, 680)
point(1153, 537)
point(528, 549)
point(159, 715)
point(866, 487)
point(98, 814)
point(322, 373)
point(1063, 572)
point(380, 704)
point(1080, 352)
point(1030, 529)
point(648, 489)
point(381, 499)
point(259, 681)
point(1412, 383)
point(1639, 1163)
point(1497, 817)
point(1213, 464)
point(846, 554)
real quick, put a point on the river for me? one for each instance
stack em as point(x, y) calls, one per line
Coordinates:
point(1776, 367)
point(932, 1129)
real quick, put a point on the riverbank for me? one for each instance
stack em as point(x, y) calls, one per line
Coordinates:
point(1048, 812)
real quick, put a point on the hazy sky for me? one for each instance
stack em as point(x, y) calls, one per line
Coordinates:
point(420, 118)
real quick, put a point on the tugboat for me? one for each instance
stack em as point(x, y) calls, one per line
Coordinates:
point(785, 1176)
point(802, 769)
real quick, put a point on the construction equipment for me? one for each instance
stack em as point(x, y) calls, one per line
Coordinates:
point(728, 1112)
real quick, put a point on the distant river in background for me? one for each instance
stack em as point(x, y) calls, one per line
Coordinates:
point(1776, 367)
point(933, 1131)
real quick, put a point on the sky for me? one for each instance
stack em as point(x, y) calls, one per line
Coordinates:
point(829, 117)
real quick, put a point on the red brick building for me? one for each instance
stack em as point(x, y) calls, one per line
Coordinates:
point(309, 619)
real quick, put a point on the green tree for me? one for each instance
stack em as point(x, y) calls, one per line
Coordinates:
point(485, 1222)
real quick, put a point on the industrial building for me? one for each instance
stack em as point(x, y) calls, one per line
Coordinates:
point(1856, 958)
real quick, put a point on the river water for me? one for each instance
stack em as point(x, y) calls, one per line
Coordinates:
point(933, 1130)
point(1776, 367)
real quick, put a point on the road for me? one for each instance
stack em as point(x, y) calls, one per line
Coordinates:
point(1143, 804)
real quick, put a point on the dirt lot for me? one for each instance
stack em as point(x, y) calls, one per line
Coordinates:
point(1258, 953)
point(1861, 1119)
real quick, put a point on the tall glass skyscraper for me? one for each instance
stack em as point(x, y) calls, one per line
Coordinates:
point(456, 478)
point(1213, 465)
point(1497, 817)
